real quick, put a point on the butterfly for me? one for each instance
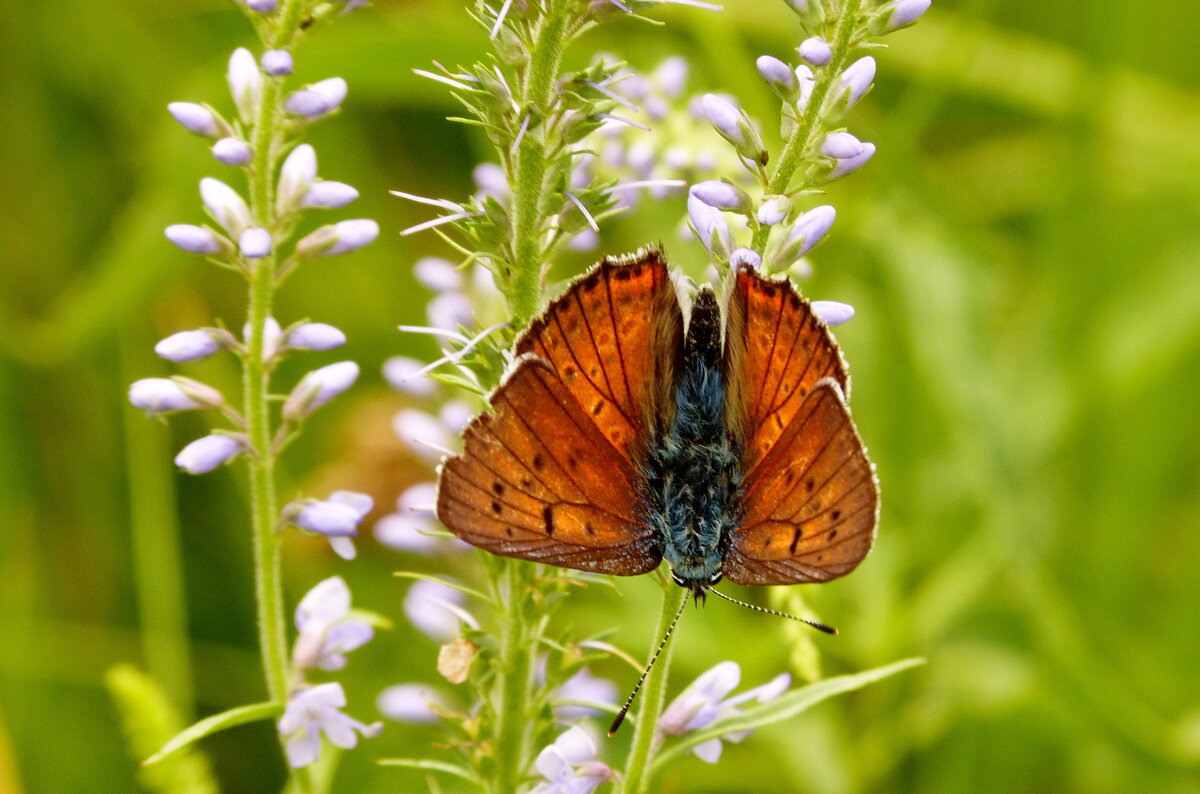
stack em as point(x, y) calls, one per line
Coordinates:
point(633, 427)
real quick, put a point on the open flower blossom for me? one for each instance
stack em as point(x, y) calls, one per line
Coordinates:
point(569, 765)
point(327, 632)
point(337, 518)
point(705, 701)
point(316, 710)
point(205, 454)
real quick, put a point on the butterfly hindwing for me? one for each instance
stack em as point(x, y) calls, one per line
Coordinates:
point(615, 338)
point(538, 480)
point(809, 495)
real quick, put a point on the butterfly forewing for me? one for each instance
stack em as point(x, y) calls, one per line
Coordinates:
point(538, 480)
point(615, 338)
point(776, 350)
point(809, 496)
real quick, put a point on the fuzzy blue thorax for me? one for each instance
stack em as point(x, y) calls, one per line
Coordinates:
point(693, 473)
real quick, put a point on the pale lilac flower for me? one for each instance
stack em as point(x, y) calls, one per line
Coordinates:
point(326, 630)
point(455, 415)
point(318, 99)
point(569, 767)
point(339, 238)
point(704, 701)
point(272, 338)
point(815, 50)
point(857, 79)
point(205, 454)
point(721, 195)
point(337, 518)
point(841, 145)
point(277, 63)
point(774, 209)
point(438, 274)
point(586, 240)
point(232, 151)
point(491, 181)
point(744, 256)
point(778, 75)
point(671, 75)
point(225, 206)
point(162, 395)
point(808, 230)
point(832, 313)
point(317, 388)
point(245, 83)
point(583, 686)
point(709, 225)
point(903, 12)
point(436, 610)
point(401, 373)
point(405, 529)
point(315, 336)
point(263, 6)
point(316, 710)
point(193, 345)
point(724, 116)
point(843, 167)
point(806, 80)
point(423, 433)
point(297, 175)
point(415, 703)
point(329, 195)
point(450, 310)
point(255, 243)
point(196, 118)
point(194, 239)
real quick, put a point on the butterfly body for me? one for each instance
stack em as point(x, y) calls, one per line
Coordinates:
point(625, 434)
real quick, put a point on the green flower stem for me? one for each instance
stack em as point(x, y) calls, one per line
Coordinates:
point(797, 146)
point(513, 734)
point(652, 698)
point(528, 165)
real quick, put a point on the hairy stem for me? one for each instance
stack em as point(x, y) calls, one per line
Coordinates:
point(653, 696)
point(514, 722)
point(798, 144)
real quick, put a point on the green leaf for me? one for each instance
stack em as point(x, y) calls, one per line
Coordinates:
point(425, 577)
point(433, 766)
point(148, 718)
point(217, 722)
point(782, 708)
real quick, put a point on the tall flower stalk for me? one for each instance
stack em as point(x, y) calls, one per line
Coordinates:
point(255, 239)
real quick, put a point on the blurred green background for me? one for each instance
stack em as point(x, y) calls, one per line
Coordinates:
point(1024, 255)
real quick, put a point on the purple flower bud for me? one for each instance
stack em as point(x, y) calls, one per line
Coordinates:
point(710, 226)
point(317, 388)
point(329, 195)
point(903, 12)
point(272, 337)
point(722, 196)
point(849, 164)
point(255, 243)
point(744, 256)
point(297, 175)
point(263, 6)
point(277, 63)
point(857, 79)
point(225, 205)
point(352, 235)
point(232, 151)
point(424, 434)
point(831, 312)
point(339, 515)
point(414, 703)
point(318, 99)
point(809, 228)
point(671, 75)
point(245, 83)
point(315, 336)
point(438, 274)
point(194, 239)
point(399, 371)
point(815, 50)
point(191, 345)
point(195, 118)
point(205, 454)
point(160, 395)
point(490, 179)
point(774, 209)
point(778, 75)
point(804, 76)
point(841, 145)
point(724, 116)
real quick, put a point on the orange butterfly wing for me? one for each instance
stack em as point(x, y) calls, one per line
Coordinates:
point(537, 480)
point(553, 473)
point(809, 495)
point(616, 338)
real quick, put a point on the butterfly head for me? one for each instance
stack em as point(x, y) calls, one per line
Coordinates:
point(699, 585)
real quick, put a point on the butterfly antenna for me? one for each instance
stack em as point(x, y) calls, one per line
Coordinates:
point(612, 730)
point(816, 624)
